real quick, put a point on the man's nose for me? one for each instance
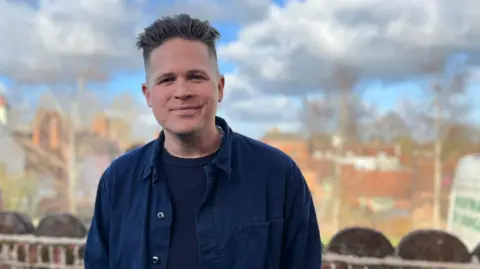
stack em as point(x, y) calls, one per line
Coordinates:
point(182, 90)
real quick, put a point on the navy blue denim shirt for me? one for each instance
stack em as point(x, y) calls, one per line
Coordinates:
point(257, 212)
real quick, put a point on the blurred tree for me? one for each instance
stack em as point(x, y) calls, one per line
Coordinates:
point(391, 126)
point(340, 91)
point(317, 117)
point(19, 193)
point(446, 105)
point(407, 145)
point(339, 110)
point(458, 139)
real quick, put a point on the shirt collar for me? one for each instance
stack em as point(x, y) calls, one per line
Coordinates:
point(222, 160)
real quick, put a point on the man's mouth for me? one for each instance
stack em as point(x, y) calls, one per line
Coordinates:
point(186, 110)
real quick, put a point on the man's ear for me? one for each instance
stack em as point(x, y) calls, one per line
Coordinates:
point(220, 87)
point(146, 93)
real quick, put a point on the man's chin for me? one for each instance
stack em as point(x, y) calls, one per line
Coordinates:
point(185, 130)
point(186, 133)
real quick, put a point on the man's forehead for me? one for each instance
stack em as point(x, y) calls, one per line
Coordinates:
point(179, 65)
point(183, 56)
point(181, 47)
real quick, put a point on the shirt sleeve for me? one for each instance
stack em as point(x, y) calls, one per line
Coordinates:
point(97, 246)
point(302, 246)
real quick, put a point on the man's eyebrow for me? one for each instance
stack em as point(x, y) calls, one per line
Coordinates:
point(198, 71)
point(164, 75)
point(161, 76)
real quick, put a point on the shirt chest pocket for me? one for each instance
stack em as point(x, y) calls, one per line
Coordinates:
point(260, 244)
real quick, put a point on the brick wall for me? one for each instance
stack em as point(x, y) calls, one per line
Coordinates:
point(298, 150)
point(375, 183)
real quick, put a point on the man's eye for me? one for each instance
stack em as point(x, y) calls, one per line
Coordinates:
point(167, 80)
point(196, 77)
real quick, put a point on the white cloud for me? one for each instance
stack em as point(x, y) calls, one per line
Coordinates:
point(280, 51)
point(247, 104)
point(238, 11)
point(237, 88)
point(59, 40)
point(296, 48)
point(55, 41)
point(264, 109)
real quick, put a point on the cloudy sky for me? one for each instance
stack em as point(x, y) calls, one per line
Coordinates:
point(272, 52)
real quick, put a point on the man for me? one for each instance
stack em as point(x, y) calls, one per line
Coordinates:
point(201, 195)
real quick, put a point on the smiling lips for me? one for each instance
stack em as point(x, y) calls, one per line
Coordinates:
point(186, 110)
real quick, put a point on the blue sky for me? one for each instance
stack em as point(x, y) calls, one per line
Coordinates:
point(384, 96)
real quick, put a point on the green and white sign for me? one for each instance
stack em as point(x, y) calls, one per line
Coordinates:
point(464, 215)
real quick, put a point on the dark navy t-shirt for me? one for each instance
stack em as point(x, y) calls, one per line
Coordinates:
point(187, 182)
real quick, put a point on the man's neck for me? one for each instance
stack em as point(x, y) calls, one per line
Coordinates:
point(195, 145)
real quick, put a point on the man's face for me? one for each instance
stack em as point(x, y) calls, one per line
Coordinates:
point(183, 86)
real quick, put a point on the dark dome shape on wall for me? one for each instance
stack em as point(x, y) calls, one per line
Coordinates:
point(15, 223)
point(61, 225)
point(433, 245)
point(359, 241)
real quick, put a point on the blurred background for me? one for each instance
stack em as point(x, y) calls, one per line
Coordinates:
point(377, 102)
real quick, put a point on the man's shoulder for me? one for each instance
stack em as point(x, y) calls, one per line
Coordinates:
point(135, 160)
point(137, 155)
point(256, 150)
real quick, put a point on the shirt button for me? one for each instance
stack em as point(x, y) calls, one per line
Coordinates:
point(160, 215)
point(155, 260)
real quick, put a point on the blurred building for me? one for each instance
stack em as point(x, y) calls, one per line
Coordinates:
point(380, 185)
point(43, 153)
